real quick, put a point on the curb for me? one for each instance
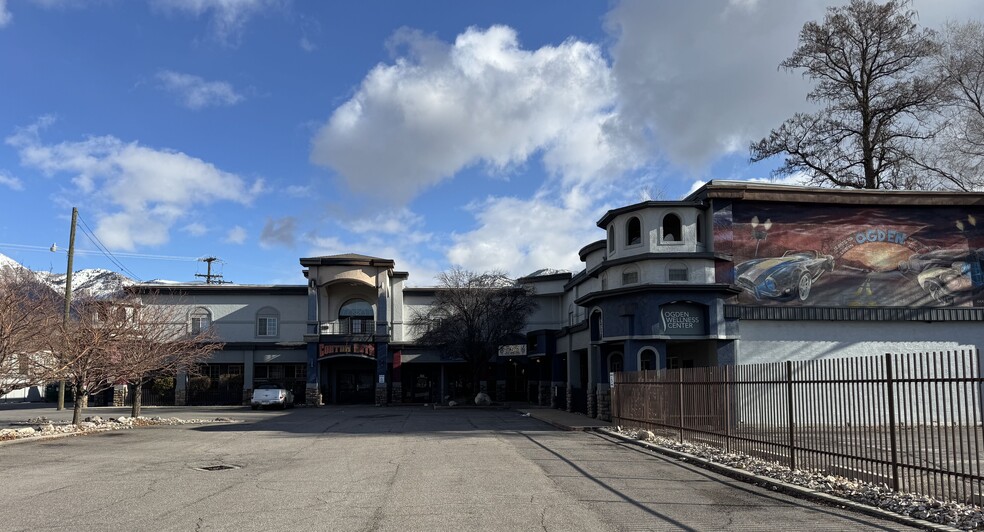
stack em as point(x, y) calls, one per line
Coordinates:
point(785, 487)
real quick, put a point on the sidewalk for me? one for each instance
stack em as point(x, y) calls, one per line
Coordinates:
point(561, 419)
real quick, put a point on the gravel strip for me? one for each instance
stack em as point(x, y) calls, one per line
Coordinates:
point(954, 514)
point(41, 427)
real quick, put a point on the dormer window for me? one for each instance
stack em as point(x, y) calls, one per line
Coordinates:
point(633, 232)
point(672, 229)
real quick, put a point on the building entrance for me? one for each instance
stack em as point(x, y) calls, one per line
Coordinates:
point(348, 380)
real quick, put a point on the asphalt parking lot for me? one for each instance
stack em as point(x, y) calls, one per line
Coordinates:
point(368, 468)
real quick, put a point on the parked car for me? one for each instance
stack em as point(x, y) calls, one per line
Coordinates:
point(783, 278)
point(271, 395)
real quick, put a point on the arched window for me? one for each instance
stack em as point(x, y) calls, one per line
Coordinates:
point(267, 322)
point(201, 320)
point(611, 238)
point(672, 228)
point(677, 272)
point(633, 232)
point(630, 275)
point(596, 326)
point(356, 317)
point(615, 362)
point(647, 360)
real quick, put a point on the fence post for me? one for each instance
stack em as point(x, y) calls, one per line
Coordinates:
point(680, 420)
point(789, 404)
point(890, 384)
point(727, 408)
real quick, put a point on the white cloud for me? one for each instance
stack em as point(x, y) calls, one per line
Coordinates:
point(5, 16)
point(299, 191)
point(196, 93)
point(143, 192)
point(10, 181)
point(236, 235)
point(521, 236)
point(195, 229)
point(698, 80)
point(482, 100)
point(228, 18)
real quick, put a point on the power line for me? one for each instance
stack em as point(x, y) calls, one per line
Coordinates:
point(128, 255)
point(109, 255)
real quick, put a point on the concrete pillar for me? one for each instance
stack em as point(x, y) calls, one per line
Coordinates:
point(249, 357)
point(604, 401)
point(181, 389)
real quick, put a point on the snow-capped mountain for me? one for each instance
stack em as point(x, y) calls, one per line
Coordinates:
point(92, 282)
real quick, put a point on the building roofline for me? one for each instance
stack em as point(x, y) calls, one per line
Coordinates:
point(177, 289)
point(351, 259)
point(748, 191)
point(613, 213)
point(594, 246)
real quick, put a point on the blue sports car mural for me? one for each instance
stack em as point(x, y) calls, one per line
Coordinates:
point(783, 278)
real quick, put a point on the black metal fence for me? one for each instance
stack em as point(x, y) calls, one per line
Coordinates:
point(909, 421)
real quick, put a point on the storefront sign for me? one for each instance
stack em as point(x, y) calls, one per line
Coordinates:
point(327, 350)
point(516, 350)
point(683, 319)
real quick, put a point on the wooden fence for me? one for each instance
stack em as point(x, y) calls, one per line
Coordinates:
point(909, 421)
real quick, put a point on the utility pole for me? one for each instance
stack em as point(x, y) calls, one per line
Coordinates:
point(209, 276)
point(68, 297)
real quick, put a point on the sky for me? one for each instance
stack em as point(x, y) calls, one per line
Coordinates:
point(452, 133)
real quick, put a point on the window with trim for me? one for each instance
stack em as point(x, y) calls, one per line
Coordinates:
point(267, 322)
point(672, 229)
point(201, 320)
point(677, 272)
point(633, 232)
point(611, 238)
point(570, 314)
point(604, 281)
point(700, 229)
point(630, 275)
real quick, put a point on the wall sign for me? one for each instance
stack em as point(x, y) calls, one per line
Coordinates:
point(683, 319)
point(356, 348)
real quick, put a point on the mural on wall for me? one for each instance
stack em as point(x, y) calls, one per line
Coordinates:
point(840, 255)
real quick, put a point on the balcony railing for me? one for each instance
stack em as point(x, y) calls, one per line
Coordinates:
point(354, 327)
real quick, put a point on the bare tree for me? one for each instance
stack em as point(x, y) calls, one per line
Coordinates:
point(958, 154)
point(473, 315)
point(88, 349)
point(158, 343)
point(879, 95)
point(28, 315)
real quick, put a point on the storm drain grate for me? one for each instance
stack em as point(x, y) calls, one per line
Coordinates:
point(216, 467)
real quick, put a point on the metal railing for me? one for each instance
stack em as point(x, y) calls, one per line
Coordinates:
point(911, 421)
point(349, 327)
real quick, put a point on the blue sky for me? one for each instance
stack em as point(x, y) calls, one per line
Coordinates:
point(436, 133)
